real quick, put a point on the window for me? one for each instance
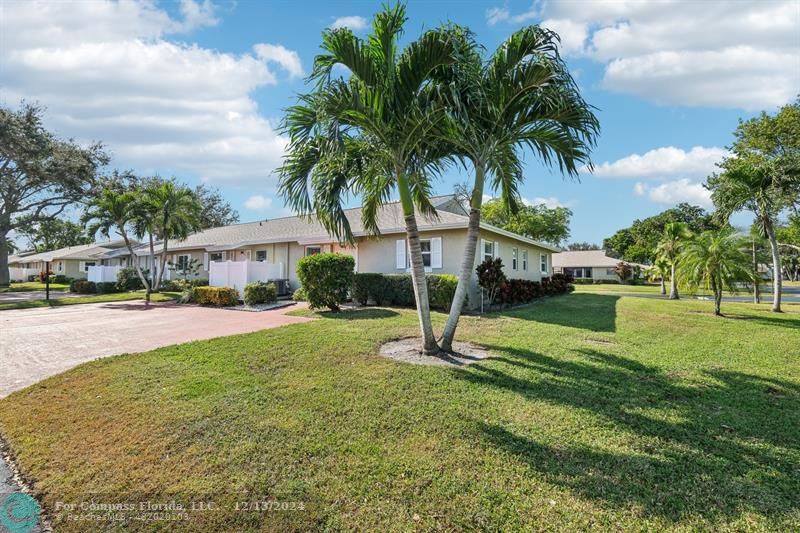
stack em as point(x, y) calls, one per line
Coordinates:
point(215, 256)
point(488, 250)
point(261, 255)
point(61, 266)
point(426, 252)
point(525, 260)
point(544, 263)
point(514, 253)
point(579, 273)
point(313, 250)
point(611, 272)
point(183, 262)
point(88, 264)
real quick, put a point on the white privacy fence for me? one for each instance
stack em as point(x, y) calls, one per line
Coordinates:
point(237, 274)
point(102, 274)
point(21, 274)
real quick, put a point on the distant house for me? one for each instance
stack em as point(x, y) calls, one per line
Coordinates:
point(72, 261)
point(270, 249)
point(588, 265)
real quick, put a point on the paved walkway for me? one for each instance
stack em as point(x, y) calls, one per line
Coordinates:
point(38, 343)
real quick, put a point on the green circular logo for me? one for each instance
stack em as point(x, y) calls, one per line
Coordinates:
point(19, 512)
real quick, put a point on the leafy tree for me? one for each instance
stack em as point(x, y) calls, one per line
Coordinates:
point(763, 177)
point(369, 134)
point(113, 210)
point(623, 271)
point(522, 97)
point(659, 271)
point(582, 246)
point(537, 222)
point(54, 233)
point(715, 260)
point(40, 175)
point(638, 242)
point(675, 236)
point(491, 278)
point(215, 210)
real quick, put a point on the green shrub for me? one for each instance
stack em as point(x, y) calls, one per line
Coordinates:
point(199, 282)
point(216, 296)
point(187, 296)
point(61, 279)
point(491, 277)
point(82, 286)
point(606, 282)
point(399, 290)
point(441, 290)
point(326, 278)
point(300, 295)
point(370, 286)
point(128, 279)
point(260, 292)
point(106, 287)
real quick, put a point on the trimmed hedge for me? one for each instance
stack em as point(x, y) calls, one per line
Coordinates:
point(106, 287)
point(260, 292)
point(398, 289)
point(300, 295)
point(128, 279)
point(522, 291)
point(60, 278)
point(327, 279)
point(82, 286)
point(216, 296)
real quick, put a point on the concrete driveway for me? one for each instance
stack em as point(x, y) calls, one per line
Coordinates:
point(38, 343)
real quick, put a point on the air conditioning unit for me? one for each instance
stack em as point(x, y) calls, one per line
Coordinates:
point(282, 286)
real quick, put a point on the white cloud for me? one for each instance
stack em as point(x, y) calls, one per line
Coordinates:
point(664, 162)
point(289, 60)
point(106, 71)
point(550, 201)
point(674, 192)
point(258, 202)
point(354, 22)
point(683, 53)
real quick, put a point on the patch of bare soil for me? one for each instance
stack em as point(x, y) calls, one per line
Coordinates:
point(409, 350)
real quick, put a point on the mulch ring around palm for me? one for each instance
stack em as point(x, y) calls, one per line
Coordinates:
point(409, 350)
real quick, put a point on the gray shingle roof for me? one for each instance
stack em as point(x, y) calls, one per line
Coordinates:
point(585, 258)
point(83, 251)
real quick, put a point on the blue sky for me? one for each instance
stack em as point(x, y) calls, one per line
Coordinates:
point(196, 88)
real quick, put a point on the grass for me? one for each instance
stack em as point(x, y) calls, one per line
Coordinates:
point(88, 299)
point(599, 412)
point(33, 286)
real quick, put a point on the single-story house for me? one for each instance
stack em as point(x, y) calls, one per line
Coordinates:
point(72, 261)
point(588, 264)
point(279, 243)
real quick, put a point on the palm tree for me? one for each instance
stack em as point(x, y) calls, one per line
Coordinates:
point(715, 260)
point(114, 209)
point(369, 135)
point(660, 270)
point(522, 97)
point(669, 248)
point(176, 213)
point(751, 183)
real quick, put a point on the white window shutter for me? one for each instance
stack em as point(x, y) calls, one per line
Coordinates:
point(496, 249)
point(400, 252)
point(205, 262)
point(482, 254)
point(436, 252)
point(81, 266)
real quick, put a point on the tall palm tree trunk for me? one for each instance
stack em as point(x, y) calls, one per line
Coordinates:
point(468, 261)
point(777, 274)
point(163, 262)
point(673, 284)
point(429, 346)
point(418, 280)
point(136, 267)
point(152, 263)
point(756, 280)
point(464, 277)
point(717, 287)
point(663, 286)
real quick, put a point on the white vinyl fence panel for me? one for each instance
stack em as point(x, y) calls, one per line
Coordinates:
point(21, 274)
point(237, 274)
point(103, 274)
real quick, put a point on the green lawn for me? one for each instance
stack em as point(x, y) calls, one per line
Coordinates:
point(88, 299)
point(33, 286)
point(599, 412)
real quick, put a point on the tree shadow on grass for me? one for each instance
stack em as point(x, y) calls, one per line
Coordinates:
point(595, 312)
point(709, 447)
point(360, 314)
point(784, 322)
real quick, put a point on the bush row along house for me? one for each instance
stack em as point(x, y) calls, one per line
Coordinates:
point(270, 249)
